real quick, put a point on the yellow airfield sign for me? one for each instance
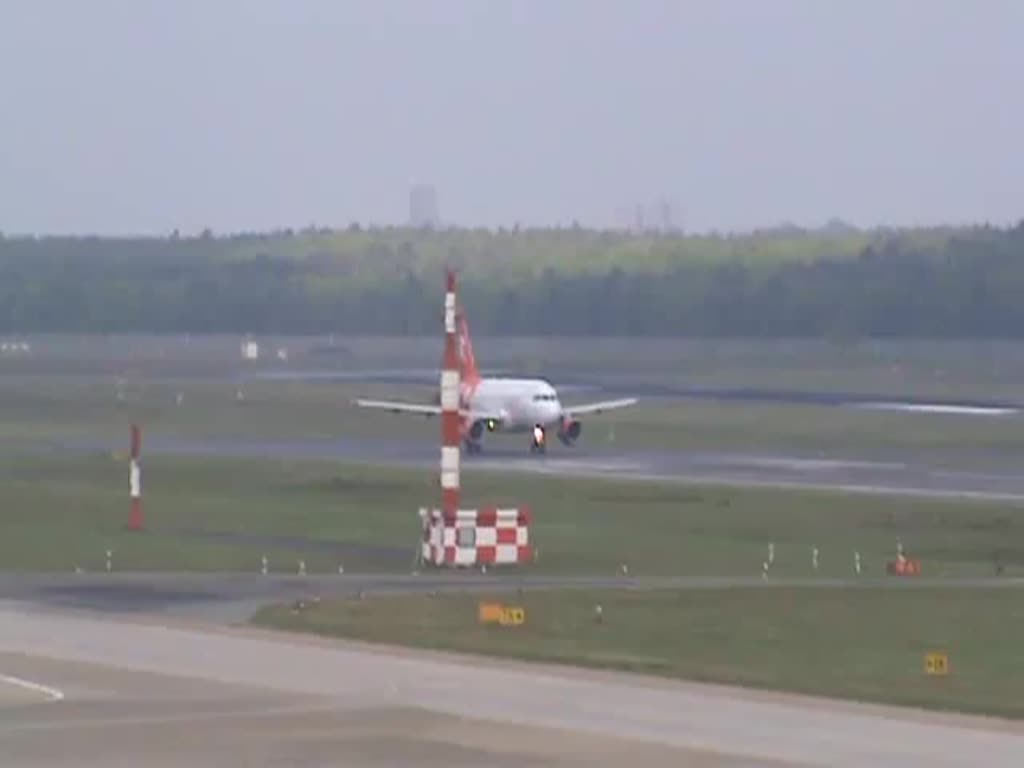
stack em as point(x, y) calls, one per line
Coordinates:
point(936, 664)
point(504, 615)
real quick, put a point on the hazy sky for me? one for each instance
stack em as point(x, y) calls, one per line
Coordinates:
point(145, 115)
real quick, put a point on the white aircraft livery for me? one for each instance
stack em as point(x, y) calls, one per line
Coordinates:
point(499, 404)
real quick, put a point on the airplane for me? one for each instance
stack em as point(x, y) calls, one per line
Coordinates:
point(501, 404)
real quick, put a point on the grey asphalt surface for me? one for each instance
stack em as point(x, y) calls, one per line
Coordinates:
point(160, 692)
point(909, 478)
point(112, 716)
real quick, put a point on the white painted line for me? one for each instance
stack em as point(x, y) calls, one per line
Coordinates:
point(51, 693)
point(740, 481)
point(942, 408)
point(183, 717)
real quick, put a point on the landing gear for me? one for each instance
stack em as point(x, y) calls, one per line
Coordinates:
point(539, 444)
point(569, 431)
point(472, 440)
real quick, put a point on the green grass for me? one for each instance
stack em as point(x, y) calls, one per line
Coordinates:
point(853, 643)
point(58, 511)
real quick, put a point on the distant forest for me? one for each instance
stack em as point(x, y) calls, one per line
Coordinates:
point(836, 283)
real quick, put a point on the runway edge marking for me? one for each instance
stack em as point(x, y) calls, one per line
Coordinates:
point(51, 693)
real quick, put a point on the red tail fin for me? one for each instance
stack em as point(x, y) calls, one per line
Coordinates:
point(470, 374)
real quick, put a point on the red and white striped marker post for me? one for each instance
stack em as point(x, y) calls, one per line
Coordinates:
point(451, 421)
point(507, 542)
point(135, 481)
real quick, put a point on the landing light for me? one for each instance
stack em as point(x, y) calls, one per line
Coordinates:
point(490, 425)
point(538, 435)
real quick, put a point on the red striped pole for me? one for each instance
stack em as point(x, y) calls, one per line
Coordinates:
point(451, 423)
point(135, 481)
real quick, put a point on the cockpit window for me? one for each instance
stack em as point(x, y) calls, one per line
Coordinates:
point(543, 398)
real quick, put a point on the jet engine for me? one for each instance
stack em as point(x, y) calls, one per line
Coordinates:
point(569, 431)
point(475, 431)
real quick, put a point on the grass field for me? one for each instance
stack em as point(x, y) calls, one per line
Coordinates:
point(861, 644)
point(63, 508)
point(58, 509)
point(61, 511)
point(53, 407)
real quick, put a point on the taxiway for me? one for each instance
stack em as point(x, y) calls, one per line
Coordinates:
point(170, 693)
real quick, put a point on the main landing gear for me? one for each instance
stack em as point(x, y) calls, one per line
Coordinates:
point(538, 443)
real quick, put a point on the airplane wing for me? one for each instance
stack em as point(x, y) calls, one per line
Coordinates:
point(605, 405)
point(423, 409)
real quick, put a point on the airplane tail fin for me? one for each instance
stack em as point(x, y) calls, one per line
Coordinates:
point(470, 374)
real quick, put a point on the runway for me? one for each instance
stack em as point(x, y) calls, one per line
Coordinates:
point(907, 478)
point(647, 387)
point(161, 692)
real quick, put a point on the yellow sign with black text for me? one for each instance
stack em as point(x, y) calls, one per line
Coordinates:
point(505, 615)
point(936, 664)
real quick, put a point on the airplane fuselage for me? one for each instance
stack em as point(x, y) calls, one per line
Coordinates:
point(500, 404)
point(521, 404)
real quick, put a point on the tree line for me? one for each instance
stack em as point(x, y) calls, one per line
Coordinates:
point(965, 283)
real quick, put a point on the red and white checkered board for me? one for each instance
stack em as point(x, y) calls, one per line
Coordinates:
point(476, 537)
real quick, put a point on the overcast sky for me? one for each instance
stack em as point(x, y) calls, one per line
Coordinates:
point(148, 115)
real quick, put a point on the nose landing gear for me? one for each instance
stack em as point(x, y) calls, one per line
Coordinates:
point(539, 443)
